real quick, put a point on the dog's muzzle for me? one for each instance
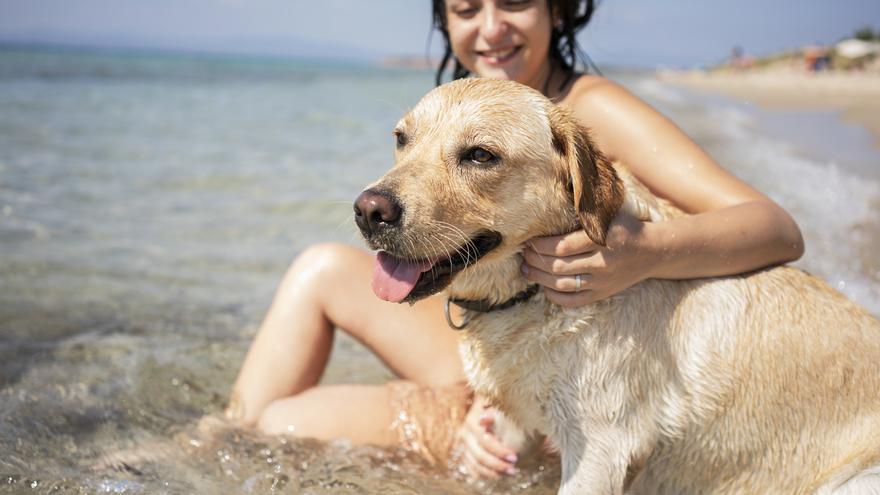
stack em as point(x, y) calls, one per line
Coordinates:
point(400, 275)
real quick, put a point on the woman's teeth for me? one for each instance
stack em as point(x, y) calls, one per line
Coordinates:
point(498, 55)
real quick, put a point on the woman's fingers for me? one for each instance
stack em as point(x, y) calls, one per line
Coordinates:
point(567, 265)
point(492, 445)
point(577, 282)
point(478, 447)
point(571, 254)
point(570, 244)
point(483, 454)
point(574, 271)
point(475, 469)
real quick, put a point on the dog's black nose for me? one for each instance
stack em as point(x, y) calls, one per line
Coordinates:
point(376, 209)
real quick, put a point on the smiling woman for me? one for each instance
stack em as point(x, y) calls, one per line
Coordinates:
point(502, 40)
point(545, 30)
point(732, 228)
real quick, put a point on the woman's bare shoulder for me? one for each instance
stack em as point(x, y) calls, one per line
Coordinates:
point(587, 82)
point(588, 92)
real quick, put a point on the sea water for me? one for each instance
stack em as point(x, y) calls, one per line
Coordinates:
point(150, 203)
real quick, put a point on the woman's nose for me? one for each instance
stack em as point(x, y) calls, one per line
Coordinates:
point(493, 24)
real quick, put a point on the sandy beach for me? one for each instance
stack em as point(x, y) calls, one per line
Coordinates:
point(855, 95)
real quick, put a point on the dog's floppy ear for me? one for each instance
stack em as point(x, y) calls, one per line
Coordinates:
point(597, 191)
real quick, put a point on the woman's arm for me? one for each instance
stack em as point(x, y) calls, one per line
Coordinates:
point(733, 228)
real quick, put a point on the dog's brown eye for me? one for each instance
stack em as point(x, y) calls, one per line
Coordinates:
point(400, 138)
point(480, 156)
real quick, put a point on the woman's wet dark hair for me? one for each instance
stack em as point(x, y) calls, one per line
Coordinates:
point(572, 16)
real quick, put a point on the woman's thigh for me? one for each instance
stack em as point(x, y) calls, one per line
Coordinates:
point(413, 340)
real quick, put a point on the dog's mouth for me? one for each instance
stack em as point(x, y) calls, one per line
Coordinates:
point(399, 279)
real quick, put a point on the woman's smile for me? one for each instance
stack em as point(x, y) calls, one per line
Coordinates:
point(499, 56)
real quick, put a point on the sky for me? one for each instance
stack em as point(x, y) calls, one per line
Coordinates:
point(646, 33)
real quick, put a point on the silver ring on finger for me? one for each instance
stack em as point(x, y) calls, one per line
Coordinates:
point(577, 282)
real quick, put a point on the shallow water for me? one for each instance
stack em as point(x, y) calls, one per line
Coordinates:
point(150, 203)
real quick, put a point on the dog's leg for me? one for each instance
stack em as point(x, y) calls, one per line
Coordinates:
point(594, 464)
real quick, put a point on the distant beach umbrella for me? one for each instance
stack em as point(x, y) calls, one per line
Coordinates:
point(854, 48)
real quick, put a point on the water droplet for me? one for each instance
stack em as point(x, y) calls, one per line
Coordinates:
point(841, 285)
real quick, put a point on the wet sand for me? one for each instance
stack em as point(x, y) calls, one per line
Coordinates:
point(855, 95)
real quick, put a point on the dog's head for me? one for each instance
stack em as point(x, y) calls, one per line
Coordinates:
point(482, 165)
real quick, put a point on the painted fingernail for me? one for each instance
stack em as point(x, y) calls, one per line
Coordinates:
point(511, 458)
point(511, 471)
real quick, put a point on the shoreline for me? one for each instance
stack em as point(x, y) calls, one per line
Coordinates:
point(854, 96)
point(850, 98)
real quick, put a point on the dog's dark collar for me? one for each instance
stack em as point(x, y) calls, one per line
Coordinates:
point(484, 306)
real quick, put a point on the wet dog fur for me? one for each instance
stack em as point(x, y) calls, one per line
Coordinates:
point(767, 382)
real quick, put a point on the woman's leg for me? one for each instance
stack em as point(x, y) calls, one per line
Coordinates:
point(421, 418)
point(329, 286)
point(359, 413)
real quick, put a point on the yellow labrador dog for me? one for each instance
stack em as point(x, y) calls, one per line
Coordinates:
point(762, 383)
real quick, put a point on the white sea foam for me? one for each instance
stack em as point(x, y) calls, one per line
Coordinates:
point(831, 206)
point(649, 87)
point(835, 205)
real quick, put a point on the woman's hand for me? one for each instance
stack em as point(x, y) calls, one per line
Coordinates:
point(576, 271)
point(483, 455)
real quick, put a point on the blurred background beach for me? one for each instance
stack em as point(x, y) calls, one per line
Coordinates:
point(161, 164)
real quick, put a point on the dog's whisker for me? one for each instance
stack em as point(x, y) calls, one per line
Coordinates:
point(468, 248)
point(425, 241)
point(451, 241)
point(454, 230)
point(409, 249)
point(346, 223)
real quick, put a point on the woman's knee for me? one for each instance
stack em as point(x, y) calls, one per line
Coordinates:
point(318, 269)
point(325, 261)
point(277, 417)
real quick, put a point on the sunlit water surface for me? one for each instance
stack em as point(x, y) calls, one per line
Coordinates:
point(150, 203)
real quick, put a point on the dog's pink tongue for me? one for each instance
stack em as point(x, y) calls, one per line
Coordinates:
point(394, 278)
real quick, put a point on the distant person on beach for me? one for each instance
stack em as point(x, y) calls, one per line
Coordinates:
point(816, 58)
point(739, 60)
point(732, 229)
